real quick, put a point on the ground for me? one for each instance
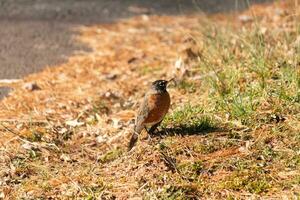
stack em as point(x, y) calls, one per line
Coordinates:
point(40, 33)
point(232, 131)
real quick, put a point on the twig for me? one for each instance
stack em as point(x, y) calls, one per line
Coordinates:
point(20, 137)
point(211, 73)
point(171, 163)
point(144, 185)
point(24, 121)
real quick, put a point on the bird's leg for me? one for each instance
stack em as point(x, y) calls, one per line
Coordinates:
point(151, 130)
point(154, 127)
point(148, 135)
point(147, 130)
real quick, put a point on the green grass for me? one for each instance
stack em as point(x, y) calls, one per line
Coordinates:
point(192, 170)
point(190, 120)
point(254, 69)
point(253, 95)
point(177, 192)
point(214, 143)
point(187, 86)
point(97, 191)
point(251, 181)
point(111, 155)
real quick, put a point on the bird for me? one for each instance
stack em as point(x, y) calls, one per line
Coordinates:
point(152, 110)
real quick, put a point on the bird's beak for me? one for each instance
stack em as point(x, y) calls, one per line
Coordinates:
point(172, 79)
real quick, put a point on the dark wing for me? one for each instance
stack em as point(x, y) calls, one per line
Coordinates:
point(142, 115)
point(133, 140)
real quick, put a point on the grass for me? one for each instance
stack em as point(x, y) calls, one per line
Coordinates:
point(252, 72)
point(255, 86)
point(97, 191)
point(190, 120)
point(187, 86)
point(146, 70)
point(251, 183)
point(111, 155)
point(192, 170)
point(232, 131)
point(178, 192)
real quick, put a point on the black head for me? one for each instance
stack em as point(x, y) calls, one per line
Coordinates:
point(160, 85)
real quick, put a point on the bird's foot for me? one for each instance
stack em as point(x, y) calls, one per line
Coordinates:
point(149, 138)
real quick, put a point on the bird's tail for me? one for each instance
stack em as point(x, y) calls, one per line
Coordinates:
point(133, 140)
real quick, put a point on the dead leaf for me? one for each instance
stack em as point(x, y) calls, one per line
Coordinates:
point(245, 18)
point(65, 157)
point(74, 123)
point(31, 86)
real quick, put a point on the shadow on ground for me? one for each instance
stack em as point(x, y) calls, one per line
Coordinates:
point(183, 130)
point(38, 33)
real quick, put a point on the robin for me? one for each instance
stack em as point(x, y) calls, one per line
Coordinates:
point(153, 109)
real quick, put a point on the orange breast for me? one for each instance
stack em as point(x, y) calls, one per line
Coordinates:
point(158, 107)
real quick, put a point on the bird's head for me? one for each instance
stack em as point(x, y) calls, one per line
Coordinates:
point(160, 85)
